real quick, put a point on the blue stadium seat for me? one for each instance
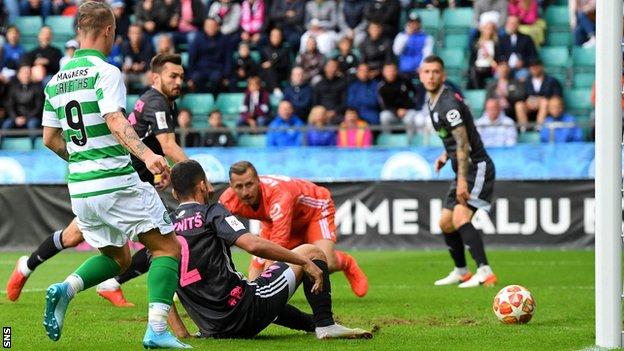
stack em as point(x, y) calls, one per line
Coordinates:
point(457, 20)
point(230, 103)
point(557, 19)
point(392, 140)
point(578, 102)
point(583, 80)
point(16, 144)
point(476, 101)
point(62, 27)
point(583, 60)
point(252, 140)
point(200, 105)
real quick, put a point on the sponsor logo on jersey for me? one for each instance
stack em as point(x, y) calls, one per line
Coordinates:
point(276, 212)
point(453, 117)
point(161, 119)
point(234, 223)
point(166, 217)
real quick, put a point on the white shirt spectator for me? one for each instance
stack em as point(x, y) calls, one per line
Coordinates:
point(499, 132)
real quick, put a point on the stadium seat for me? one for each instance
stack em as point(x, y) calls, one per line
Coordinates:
point(529, 138)
point(455, 61)
point(252, 140)
point(578, 102)
point(62, 26)
point(559, 39)
point(230, 103)
point(431, 21)
point(29, 27)
point(16, 144)
point(583, 60)
point(275, 100)
point(39, 144)
point(200, 121)
point(200, 105)
point(557, 18)
point(130, 101)
point(583, 80)
point(185, 57)
point(476, 100)
point(457, 20)
point(417, 140)
point(556, 58)
point(456, 41)
point(392, 140)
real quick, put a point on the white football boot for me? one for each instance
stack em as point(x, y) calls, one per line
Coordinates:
point(337, 331)
point(484, 276)
point(456, 276)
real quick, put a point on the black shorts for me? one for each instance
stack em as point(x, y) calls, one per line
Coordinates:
point(271, 292)
point(481, 176)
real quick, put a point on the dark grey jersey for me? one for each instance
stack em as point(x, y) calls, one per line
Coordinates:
point(449, 112)
point(210, 289)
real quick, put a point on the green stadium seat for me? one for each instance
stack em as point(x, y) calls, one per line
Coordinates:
point(578, 102)
point(130, 101)
point(200, 105)
point(16, 144)
point(583, 80)
point(457, 20)
point(559, 39)
point(392, 140)
point(456, 41)
point(454, 59)
point(252, 140)
point(557, 18)
point(200, 121)
point(230, 103)
point(230, 122)
point(29, 43)
point(583, 60)
point(529, 138)
point(430, 20)
point(562, 77)
point(556, 58)
point(62, 27)
point(185, 58)
point(275, 100)
point(476, 101)
point(29, 26)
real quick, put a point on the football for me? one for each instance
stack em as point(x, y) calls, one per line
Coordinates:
point(514, 304)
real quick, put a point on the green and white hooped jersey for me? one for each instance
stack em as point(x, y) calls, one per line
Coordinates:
point(76, 99)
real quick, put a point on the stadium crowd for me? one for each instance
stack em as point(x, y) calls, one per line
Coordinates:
point(326, 72)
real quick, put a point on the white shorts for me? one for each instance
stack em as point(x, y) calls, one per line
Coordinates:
point(113, 219)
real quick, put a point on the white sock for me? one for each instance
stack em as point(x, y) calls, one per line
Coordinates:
point(76, 285)
point(485, 269)
point(109, 285)
point(462, 270)
point(22, 266)
point(157, 317)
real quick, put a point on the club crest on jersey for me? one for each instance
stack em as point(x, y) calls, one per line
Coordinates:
point(166, 217)
point(453, 117)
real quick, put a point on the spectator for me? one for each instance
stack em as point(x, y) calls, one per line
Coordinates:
point(252, 21)
point(517, 47)
point(45, 54)
point(325, 39)
point(553, 131)
point(65, 7)
point(208, 58)
point(298, 92)
point(583, 21)
point(275, 61)
point(5, 19)
point(70, 47)
point(354, 132)
point(330, 91)
point(255, 108)
point(137, 53)
point(146, 13)
point(480, 7)
point(376, 49)
point(395, 99)
point(244, 65)
point(322, 10)
point(508, 91)
point(165, 44)
point(219, 134)
point(24, 102)
point(347, 60)
point(184, 136)
point(311, 61)
point(228, 14)
point(168, 15)
point(351, 22)
point(411, 46)
point(284, 130)
point(362, 95)
point(530, 23)
point(288, 16)
point(122, 20)
point(192, 15)
point(12, 51)
point(496, 128)
point(318, 134)
point(41, 8)
point(539, 88)
point(385, 12)
point(482, 56)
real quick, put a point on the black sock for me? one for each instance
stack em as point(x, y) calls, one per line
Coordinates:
point(46, 250)
point(472, 238)
point(293, 318)
point(321, 303)
point(456, 248)
point(140, 264)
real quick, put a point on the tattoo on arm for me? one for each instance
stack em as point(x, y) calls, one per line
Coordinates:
point(125, 134)
point(461, 138)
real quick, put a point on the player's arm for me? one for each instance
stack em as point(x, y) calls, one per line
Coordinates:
point(461, 138)
point(172, 150)
point(53, 140)
point(441, 161)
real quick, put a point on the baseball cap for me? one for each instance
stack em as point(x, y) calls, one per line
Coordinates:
point(413, 16)
point(72, 44)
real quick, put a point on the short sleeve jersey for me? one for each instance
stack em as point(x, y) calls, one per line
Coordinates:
point(76, 100)
point(152, 115)
point(210, 288)
point(449, 112)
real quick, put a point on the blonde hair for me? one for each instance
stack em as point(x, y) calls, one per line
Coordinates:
point(317, 114)
point(93, 16)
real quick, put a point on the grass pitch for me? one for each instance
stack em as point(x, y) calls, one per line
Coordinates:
point(403, 307)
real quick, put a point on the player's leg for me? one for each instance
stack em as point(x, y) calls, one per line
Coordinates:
point(455, 246)
point(111, 289)
point(53, 244)
point(293, 318)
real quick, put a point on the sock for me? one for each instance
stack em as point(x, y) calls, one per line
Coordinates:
point(157, 316)
point(96, 270)
point(472, 238)
point(162, 280)
point(76, 285)
point(140, 264)
point(108, 285)
point(321, 303)
point(52, 245)
point(343, 260)
point(293, 318)
point(456, 248)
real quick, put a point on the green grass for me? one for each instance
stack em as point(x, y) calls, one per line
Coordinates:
point(403, 306)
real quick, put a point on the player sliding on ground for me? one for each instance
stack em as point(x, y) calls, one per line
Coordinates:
point(292, 212)
point(85, 125)
point(153, 120)
point(217, 298)
point(474, 184)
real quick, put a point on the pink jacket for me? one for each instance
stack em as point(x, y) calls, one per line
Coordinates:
point(527, 16)
point(252, 16)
